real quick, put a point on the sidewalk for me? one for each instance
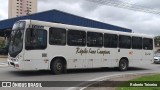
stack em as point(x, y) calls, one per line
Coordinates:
point(3, 56)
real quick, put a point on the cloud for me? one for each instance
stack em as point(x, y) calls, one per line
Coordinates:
point(4, 9)
point(149, 3)
point(139, 22)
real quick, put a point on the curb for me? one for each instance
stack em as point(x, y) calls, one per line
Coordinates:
point(3, 56)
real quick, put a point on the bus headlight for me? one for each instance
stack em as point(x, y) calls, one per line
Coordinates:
point(18, 57)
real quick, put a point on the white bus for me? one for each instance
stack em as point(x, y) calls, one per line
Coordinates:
point(39, 45)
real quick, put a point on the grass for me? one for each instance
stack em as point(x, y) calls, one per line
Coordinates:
point(145, 79)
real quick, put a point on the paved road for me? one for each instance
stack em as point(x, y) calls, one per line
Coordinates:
point(11, 74)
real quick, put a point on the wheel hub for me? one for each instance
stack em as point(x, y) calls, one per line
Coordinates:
point(59, 66)
point(123, 65)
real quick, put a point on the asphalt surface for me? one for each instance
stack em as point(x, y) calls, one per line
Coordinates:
point(11, 74)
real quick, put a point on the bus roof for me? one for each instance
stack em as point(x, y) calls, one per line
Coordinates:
point(58, 25)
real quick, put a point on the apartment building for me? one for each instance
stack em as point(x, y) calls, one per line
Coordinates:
point(21, 7)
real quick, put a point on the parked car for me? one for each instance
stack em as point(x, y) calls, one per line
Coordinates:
point(4, 50)
point(157, 58)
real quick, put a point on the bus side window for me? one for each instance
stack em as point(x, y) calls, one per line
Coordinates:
point(57, 36)
point(36, 39)
point(110, 40)
point(94, 39)
point(136, 42)
point(147, 44)
point(124, 42)
point(76, 38)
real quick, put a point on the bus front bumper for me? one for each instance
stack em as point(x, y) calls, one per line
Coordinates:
point(14, 64)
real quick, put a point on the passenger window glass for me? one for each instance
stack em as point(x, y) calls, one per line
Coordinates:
point(136, 43)
point(57, 36)
point(76, 38)
point(147, 44)
point(124, 42)
point(36, 39)
point(110, 40)
point(94, 39)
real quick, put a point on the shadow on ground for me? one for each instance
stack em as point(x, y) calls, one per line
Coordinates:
point(77, 71)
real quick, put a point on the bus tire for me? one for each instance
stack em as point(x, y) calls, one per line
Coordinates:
point(57, 66)
point(123, 64)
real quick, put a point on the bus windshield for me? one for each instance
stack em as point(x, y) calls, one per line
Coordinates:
point(17, 35)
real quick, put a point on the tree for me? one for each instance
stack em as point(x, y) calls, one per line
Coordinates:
point(157, 41)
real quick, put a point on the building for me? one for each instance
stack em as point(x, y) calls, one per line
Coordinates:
point(59, 17)
point(21, 7)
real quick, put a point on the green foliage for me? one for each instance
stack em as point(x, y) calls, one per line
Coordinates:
point(157, 41)
point(143, 78)
point(2, 42)
point(148, 78)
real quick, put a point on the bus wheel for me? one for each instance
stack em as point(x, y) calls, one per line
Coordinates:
point(57, 66)
point(123, 65)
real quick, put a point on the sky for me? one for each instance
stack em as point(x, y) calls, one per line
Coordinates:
point(139, 22)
